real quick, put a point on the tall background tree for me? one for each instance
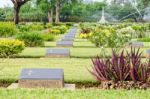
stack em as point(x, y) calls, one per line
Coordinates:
point(70, 10)
point(17, 5)
point(47, 6)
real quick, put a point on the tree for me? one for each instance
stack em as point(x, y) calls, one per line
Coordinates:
point(145, 3)
point(58, 7)
point(47, 6)
point(17, 5)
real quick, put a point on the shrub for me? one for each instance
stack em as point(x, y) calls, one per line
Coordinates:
point(63, 29)
point(55, 31)
point(109, 37)
point(48, 25)
point(7, 29)
point(48, 37)
point(36, 27)
point(30, 27)
point(85, 35)
point(23, 28)
point(121, 68)
point(104, 37)
point(31, 39)
point(9, 47)
point(69, 24)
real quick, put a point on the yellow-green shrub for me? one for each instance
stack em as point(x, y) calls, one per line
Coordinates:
point(48, 37)
point(55, 31)
point(7, 29)
point(10, 47)
point(85, 36)
point(36, 27)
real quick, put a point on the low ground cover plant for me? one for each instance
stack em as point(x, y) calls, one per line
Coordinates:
point(122, 71)
point(10, 47)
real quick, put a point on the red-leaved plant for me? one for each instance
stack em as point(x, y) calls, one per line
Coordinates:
point(121, 67)
point(139, 71)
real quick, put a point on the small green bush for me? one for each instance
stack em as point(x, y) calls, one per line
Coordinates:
point(55, 31)
point(30, 27)
point(48, 37)
point(69, 24)
point(23, 28)
point(36, 27)
point(63, 29)
point(9, 47)
point(7, 29)
point(31, 39)
point(48, 25)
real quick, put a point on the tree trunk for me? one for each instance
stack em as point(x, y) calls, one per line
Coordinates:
point(16, 14)
point(57, 12)
point(50, 16)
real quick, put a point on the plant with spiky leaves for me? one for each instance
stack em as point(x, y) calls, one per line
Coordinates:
point(139, 71)
point(121, 67)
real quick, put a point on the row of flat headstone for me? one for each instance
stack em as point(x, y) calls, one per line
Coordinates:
point(66, 41)
point(44, 77)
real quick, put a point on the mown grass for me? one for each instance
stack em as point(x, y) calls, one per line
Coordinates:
point(75, 52)
point(77, 94)
point(75, 70)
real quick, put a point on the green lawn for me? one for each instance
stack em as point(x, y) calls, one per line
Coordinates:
point(77, 94)
point(82, 49)
point(75, 69)
point(76, 52)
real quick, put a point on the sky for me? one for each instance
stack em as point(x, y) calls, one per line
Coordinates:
point(4, 3)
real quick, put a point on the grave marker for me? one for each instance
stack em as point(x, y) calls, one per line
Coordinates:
point(41, 78)
point(65, 43)
point(57, 53)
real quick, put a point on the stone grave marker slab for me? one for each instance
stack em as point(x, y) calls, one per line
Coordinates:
point(148, 53)
point(65, 43)
point(41, 78)
point(70, 36)
point(136, 44)
point(67, 39)
point(58, 53)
